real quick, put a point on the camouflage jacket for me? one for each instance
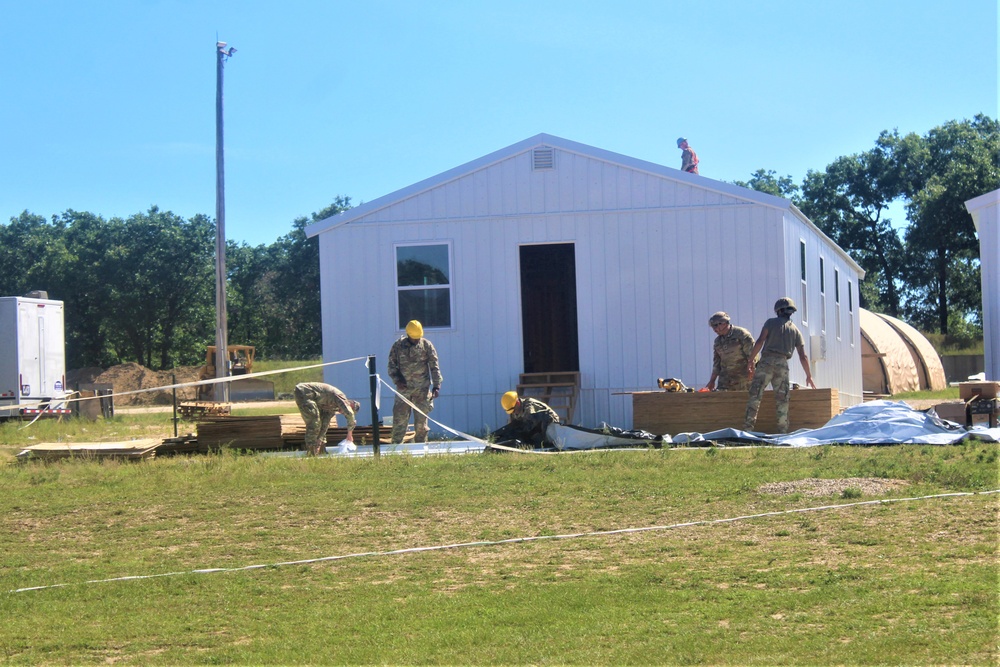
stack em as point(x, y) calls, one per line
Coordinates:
point(327, 398)
point(731, 352)
point(414, 363)
point(534, 411)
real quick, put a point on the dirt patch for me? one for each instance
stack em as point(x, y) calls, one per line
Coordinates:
point(134, 377)
point(868, 486)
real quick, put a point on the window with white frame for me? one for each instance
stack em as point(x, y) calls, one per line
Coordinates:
point(822, 294)
point(850, 309)
point(423, 284)
point(803, 298)
point(836, 298)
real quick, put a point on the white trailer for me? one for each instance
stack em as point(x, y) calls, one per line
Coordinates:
point(32, 357)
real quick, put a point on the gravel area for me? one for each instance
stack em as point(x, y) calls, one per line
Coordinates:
point(868, 486)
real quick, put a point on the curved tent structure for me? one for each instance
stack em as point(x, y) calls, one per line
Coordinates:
point(925, 358)
point(896, 358)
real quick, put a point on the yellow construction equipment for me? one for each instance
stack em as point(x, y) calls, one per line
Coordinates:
point(240, 362)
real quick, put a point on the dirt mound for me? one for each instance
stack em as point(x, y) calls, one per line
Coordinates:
point(133, 377)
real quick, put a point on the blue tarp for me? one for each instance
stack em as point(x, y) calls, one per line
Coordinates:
point(872, 423)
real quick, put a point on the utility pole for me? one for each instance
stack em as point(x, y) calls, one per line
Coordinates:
point(221, 324)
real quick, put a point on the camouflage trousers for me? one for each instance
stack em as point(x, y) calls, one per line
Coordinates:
point(772, 370)
point(401, 414)
point(317, 422)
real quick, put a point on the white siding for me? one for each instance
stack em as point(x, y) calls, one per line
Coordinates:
point(842, 366)
point(655, 257)
point(985, 211)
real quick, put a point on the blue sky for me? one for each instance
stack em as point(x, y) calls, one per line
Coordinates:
point(109, 106)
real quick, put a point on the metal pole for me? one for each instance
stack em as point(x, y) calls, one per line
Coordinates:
point(221, 325)
point(173, 380)
point(373, 386)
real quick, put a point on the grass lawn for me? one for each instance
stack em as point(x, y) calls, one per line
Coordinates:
point(911, 582)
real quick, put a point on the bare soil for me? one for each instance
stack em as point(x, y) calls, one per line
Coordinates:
point(134, 377)
point(868, 486)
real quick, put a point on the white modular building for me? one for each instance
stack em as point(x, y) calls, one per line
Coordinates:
point(550, 255)
point(985, 211)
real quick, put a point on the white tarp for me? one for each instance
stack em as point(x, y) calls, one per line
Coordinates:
point(871, 423)
point(566, 437)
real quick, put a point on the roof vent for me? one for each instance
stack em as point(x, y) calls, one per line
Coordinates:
point(543, 158)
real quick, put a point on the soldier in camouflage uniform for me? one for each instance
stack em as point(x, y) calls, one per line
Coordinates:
point(319, 403)
point(779, 339)
point(731, 352)
point(413, 367)
point(529, 418)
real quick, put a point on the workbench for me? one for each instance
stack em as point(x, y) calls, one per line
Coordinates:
point(662, 412)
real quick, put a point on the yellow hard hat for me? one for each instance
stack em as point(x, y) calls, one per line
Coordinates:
point(414, 329)
point(508, 401)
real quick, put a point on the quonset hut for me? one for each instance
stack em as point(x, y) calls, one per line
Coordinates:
point(554, 256)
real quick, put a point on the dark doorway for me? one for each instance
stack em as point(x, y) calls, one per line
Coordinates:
point(548, 308)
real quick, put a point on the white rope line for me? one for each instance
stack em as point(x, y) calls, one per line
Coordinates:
point(429, 418)
point(180, 385)
point(513, 540)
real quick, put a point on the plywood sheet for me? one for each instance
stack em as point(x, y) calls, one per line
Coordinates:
point(663, 412)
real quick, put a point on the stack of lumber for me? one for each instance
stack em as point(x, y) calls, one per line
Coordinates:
point(263, 432)
point(193, 410)
point(128, 450)
point(663, 412)
point(275, 432)
point(182, 444)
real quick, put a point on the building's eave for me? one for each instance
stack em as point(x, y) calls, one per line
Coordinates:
point(566, 145)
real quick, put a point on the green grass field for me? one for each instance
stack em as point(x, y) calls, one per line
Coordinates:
point(911, 582)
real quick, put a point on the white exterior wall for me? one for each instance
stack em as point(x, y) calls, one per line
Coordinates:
point(829, 369)
point(985, 211)
point(655, 257)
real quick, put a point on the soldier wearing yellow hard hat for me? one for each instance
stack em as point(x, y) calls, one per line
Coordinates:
point(414, 368)
point(529, 419)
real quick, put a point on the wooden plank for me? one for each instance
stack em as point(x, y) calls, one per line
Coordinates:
point(663, 412)
point(276, 432)
point(129, 449)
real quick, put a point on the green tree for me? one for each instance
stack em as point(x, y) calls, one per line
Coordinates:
point(772, 184)
point(32, 256)
point(161, 272)
point(275, 291)
point(956, 162)
point(251, 270)
point(88, 292)
point(850, 201)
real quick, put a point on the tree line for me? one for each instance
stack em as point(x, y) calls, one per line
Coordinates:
point(142, 289)
point(925, 269)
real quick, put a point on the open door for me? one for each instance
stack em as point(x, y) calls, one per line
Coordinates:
point(548, 308)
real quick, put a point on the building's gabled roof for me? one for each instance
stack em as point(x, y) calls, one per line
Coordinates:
point(527, 145)
point(548, 140)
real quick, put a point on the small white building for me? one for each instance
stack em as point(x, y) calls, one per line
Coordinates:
point(551, 255)
point(985, 211)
